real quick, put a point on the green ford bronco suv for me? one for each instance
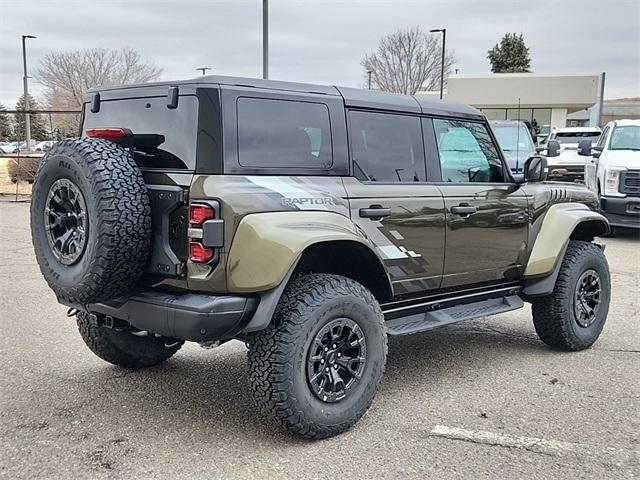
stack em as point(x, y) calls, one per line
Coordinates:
point(309, 222)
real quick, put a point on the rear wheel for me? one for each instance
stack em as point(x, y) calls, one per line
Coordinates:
point(573, 316)
point(123, 348)
point(316, 369)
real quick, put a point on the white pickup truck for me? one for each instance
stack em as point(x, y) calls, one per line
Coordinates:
point(569, 166)
point(612, 170)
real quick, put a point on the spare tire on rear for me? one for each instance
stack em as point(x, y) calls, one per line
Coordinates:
point(90, 220)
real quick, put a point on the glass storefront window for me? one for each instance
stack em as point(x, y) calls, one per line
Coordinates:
point(495, 113)
point(524, 114)
point(542, 117)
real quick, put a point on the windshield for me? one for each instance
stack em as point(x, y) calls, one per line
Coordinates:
point(514, 138)
point(576, 137)
point(625, 138)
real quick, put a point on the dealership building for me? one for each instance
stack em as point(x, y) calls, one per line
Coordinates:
point(547, 99)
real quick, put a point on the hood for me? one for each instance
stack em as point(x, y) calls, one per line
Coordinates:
point(623, 158)
point(568, 156)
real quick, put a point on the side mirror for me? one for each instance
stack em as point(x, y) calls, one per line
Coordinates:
point(553, 148)
point(535, 169)
point(596, 151)
point(584, 148)
point(540, 149)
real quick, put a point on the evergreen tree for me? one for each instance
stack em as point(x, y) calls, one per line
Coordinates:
point(511, 55)
point(38, 130)
point(5, 125)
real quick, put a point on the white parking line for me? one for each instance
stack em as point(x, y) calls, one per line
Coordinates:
point(539, 445)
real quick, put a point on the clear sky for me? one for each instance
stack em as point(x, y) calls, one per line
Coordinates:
point(322, 41)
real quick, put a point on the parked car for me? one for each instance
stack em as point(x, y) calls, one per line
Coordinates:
point(516, 142)
point(612, 171)
point(569, 166)
point(43, 146)
point(7, 148)
point(310, 222)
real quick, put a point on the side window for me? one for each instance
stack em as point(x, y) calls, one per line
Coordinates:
point(386, 147)
point(467, 153)
point(603, 137)
point(283, 134)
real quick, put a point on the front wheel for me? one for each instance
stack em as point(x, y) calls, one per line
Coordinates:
point(573, 316)
point(316, 369)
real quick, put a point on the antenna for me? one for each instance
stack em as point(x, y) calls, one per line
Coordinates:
point(518, 138)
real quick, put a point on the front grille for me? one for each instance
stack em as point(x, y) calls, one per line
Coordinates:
point(630, 182)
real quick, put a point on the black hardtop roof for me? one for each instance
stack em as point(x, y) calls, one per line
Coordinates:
point(353, 97)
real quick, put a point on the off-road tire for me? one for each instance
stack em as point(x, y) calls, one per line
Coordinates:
point(278, 355)
point(122, 348)
point(553, 315)
point(119, 220)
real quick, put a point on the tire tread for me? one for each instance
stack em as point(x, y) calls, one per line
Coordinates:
point(272, 350)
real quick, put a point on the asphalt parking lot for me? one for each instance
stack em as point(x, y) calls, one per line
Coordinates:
point(485, 399)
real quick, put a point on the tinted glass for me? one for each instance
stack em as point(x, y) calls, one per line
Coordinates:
point(467, 153)
point(164, 138)
point(576, 137)
point(386, 148)
point(283, 134)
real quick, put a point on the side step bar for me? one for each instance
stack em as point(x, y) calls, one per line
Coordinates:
point(428, 320)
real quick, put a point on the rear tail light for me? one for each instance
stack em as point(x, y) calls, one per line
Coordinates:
point(202, 245)
point(199, 213)
point(107, 132)
point(199, 253)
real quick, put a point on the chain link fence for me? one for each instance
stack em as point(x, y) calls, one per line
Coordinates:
point(17, 165)
point(16, 176)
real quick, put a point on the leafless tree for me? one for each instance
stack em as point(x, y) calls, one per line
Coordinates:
point(407, 61)
point(68, 75)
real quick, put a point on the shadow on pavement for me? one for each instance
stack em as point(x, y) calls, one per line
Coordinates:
point(207, 394)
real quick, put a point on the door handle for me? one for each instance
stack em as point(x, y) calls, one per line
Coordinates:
point(375, 212)
point(464, 209)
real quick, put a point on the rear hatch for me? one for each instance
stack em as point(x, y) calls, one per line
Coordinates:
point(160, 128)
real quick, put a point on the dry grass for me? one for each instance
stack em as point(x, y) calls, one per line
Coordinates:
point(7, 187)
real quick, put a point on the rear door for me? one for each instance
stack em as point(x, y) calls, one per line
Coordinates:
point(391, 201)
point(486, 213)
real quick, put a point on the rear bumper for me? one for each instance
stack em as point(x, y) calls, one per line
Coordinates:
point(189, 316)
point(621, 212)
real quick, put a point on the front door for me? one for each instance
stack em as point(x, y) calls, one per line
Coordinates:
point(390, 201)
point(486, 214)
point(591, 164)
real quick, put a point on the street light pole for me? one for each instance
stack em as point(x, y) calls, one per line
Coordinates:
point(265, 39)
point(203, 69)
point(444, 42)
point(27, 119)
point(369, 72)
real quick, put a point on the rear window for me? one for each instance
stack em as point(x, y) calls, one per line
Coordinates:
point(576, 137)
point(283, 134)
point(175, 130)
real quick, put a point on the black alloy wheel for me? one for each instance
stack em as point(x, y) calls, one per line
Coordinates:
point(586, 299)
point(336, 359)
point(66, 221)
